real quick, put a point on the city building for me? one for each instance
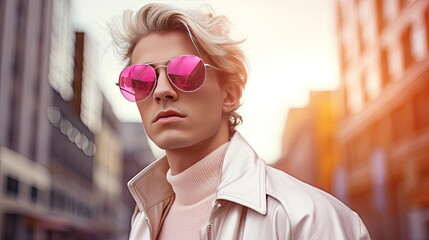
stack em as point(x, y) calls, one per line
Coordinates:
point(71, 165)
point(61, 146)
point(107, 177)
point(73, 193)
point(25, 95)
point(308, 144)
point(136, 155)
point(383, 133)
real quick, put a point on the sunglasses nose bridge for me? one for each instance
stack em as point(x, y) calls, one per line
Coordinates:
point(163, 88)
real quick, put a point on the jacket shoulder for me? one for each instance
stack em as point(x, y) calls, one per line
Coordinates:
point(293, 192)
point(311, 212)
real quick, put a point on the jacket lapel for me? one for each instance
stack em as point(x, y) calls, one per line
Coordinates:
point(152, 193)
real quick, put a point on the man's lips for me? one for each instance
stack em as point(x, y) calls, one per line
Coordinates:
point(167, 114)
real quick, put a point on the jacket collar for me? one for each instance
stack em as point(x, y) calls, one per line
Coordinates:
point(242, 179)
point(150, 186)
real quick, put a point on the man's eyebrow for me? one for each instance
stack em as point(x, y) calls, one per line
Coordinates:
point(152, 63)
point(162, 61)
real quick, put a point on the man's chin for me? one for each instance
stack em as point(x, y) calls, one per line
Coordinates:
point(172, 141)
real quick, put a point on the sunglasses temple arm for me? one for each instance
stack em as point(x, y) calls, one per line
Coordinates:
point(208, 65)
point(123, 89)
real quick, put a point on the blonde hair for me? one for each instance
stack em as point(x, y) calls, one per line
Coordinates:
point(208, 32)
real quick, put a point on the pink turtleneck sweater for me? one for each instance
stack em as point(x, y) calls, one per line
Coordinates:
point(195, 191)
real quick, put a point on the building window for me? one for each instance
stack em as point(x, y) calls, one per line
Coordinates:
point(360, 43)
point(372, 82)
point(418, 41)
point(406, 47)
point(420, 107)
point(355, 93)
point(390, 10)
point(57, 200)
point(395, 62)
point(384, 68)
point(12, 186)
point(426, 21)
point(348, 52)
point(379, 5)
point(2, 14)
point(367, 24)
point(21, 18)
point(33, 194)
point(402, 4)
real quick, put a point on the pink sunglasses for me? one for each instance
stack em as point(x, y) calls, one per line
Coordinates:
point(186, 73)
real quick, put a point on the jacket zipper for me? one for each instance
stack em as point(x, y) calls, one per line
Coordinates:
point(209, 231)
point(148, 226)
point(215, 210)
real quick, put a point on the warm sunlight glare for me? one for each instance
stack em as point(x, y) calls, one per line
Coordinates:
point(290, 46)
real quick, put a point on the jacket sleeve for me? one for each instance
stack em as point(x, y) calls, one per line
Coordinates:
point(329, 224)
point(361, 231)
point(310, 213)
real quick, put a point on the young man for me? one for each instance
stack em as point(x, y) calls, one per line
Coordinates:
point(187, 76)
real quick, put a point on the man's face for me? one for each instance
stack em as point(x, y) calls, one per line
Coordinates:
point(174, 119)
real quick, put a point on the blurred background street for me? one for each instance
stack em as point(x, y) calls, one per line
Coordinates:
point(68, 146)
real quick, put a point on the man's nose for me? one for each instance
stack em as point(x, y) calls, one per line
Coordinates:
point(164, 90)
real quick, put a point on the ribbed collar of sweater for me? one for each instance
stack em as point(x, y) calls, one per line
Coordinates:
point(200, 180)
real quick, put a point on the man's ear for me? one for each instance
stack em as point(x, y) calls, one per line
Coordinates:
point(232, 96)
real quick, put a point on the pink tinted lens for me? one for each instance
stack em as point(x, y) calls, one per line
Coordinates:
point(187, 73)
point(136, 82)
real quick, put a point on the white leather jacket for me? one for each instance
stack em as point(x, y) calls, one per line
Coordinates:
point(253, 202)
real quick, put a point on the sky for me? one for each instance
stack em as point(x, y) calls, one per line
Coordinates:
point(290, 45)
